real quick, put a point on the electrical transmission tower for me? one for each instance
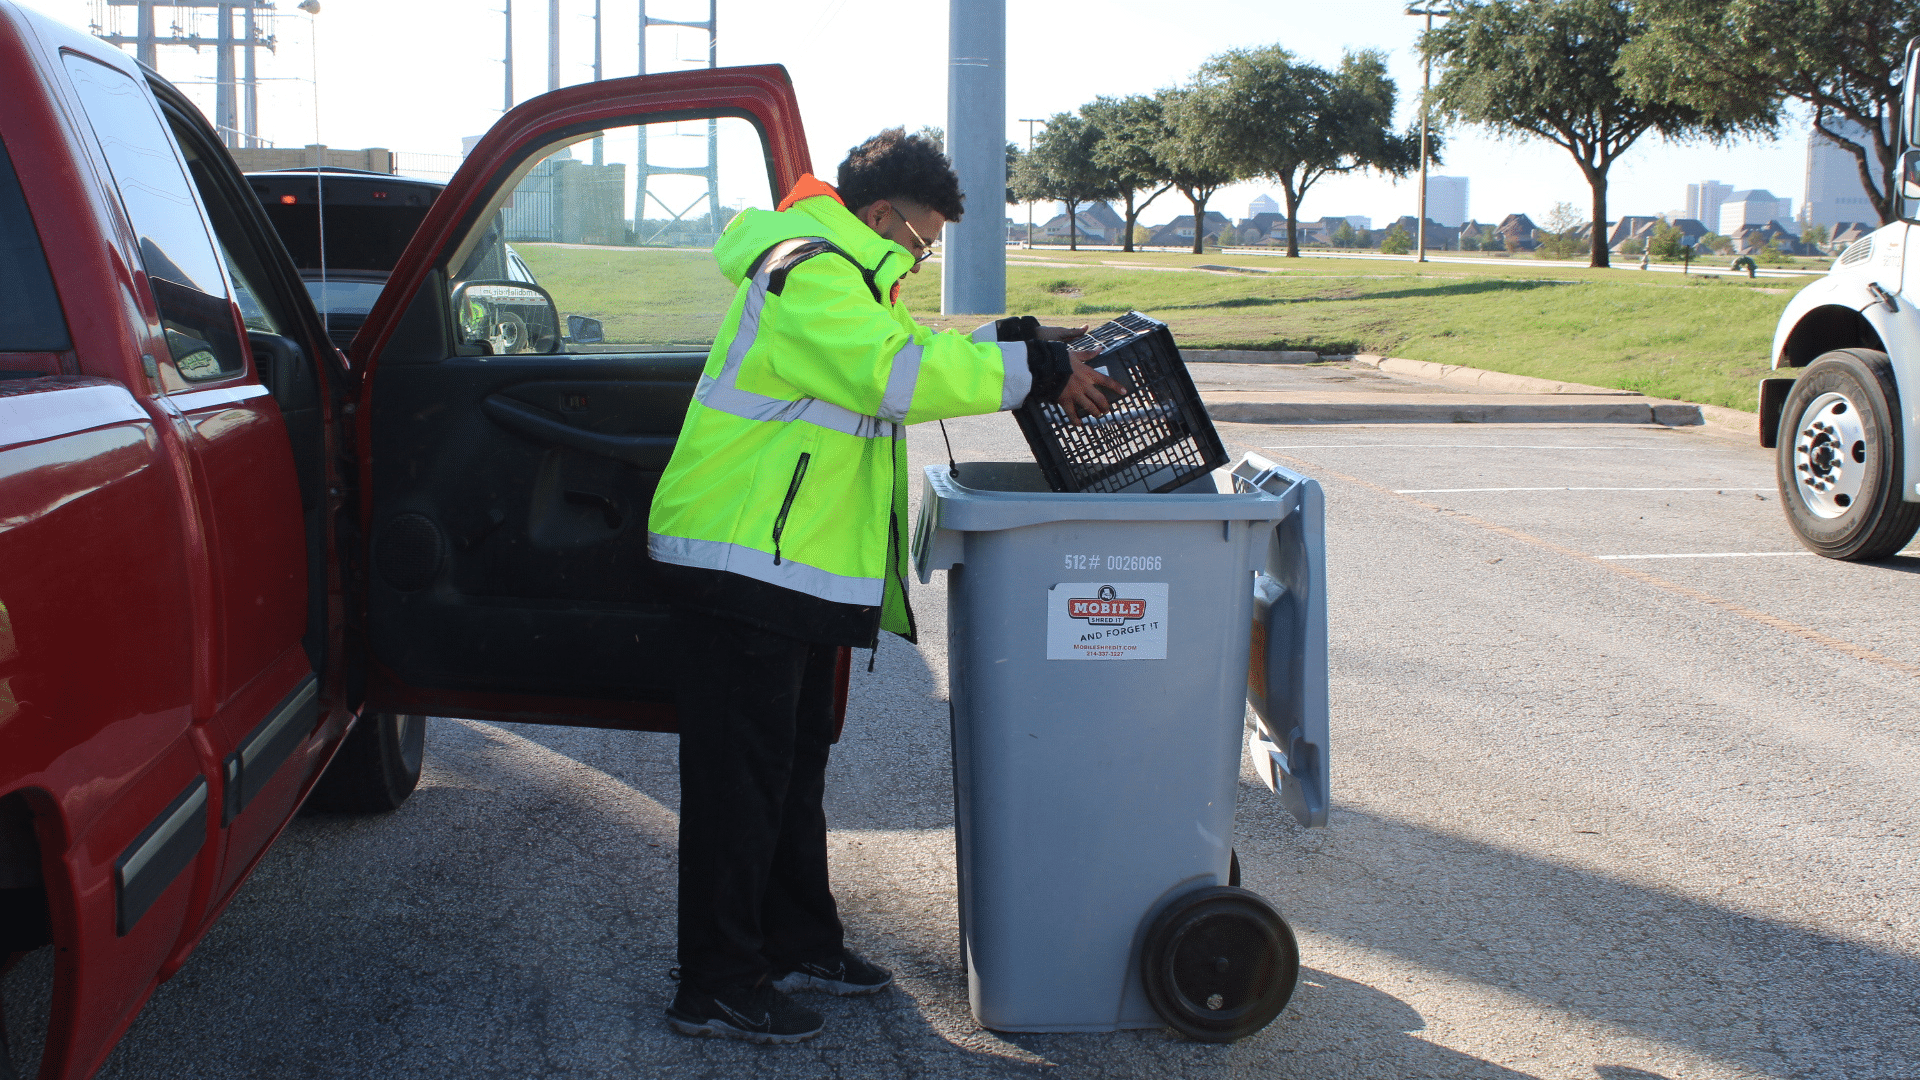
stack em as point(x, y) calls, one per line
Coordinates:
point(185, 30)
point(648, 170)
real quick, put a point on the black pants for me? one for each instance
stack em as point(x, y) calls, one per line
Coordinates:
point(756, 723)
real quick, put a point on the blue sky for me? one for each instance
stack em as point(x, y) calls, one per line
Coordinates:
point(419, 74)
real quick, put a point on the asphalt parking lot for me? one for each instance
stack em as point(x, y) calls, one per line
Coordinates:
point(1624, 787)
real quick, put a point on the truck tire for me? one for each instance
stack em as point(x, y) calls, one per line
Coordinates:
point(1839, 459)
point(376, 768)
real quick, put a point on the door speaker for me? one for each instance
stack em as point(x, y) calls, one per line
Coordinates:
point(409, 551)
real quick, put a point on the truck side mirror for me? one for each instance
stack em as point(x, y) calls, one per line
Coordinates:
point(584, 331)
point(506, 317)
point(1910, 174)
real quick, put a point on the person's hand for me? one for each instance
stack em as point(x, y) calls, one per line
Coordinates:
point(1060, 333)
point(1083, 395)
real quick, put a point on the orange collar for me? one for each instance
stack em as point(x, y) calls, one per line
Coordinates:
point(809, 186)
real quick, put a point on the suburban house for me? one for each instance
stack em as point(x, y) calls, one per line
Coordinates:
point(1179, 231)
point(1629, 227)
point(1266, 227)
point(1751, 238)
point(1096, 223)
point(1518, 231)
point(1439, 237)
point(1691, 230)
point(1846, 232)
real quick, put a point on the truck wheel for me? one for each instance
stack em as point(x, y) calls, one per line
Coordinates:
point(1219, 964)
point(376, 768)
point(1839, 459)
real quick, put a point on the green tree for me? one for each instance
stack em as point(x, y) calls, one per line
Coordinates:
point(1773, 254)
point(1130, 128)
point(1493, 241)
point(1196, 152)
point(1844, 58)
point(1815, 236)
point(1345, 236)
point(1712, 243)
point(1668, 241)
point(1563, 239)
point(1396, 242)
point(1336, 122)
point(1061, 168)
point(1551, 70)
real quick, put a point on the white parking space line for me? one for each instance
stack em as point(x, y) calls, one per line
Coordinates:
point(1442, 491)
point(1490, 446)
point(1712, 555)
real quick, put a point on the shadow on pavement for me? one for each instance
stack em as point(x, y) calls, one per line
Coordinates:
point(516, 919)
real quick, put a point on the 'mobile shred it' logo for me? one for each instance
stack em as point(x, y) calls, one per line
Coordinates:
point(1108, 609)
point(1107, 620)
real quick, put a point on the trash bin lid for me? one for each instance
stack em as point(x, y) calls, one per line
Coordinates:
point(994, 495)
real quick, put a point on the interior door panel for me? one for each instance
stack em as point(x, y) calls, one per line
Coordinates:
point(509, 546)
point(506, 491)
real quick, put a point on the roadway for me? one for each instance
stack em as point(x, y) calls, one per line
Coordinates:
point(1625, 787)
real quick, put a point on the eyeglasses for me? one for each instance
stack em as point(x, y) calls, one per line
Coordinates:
point(926, 249)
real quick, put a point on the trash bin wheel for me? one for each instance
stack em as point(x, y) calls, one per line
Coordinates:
point(1219, 964)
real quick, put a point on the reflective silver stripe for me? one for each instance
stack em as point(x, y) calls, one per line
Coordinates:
point(722, 394)
point(900, 383)
point(987, 334)
point(759, 565)
point(1018, 380)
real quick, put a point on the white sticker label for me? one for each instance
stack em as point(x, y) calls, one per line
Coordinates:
point(1107, 620)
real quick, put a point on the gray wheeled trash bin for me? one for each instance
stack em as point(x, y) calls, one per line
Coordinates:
point(1099, 651)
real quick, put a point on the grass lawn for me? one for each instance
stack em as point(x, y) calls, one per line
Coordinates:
point(1702, 339)
point(1697, 338)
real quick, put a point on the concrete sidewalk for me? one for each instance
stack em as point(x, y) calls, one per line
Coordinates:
point(1285, 388)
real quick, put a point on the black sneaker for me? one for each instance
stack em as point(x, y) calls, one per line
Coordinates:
point(845, 976)
point(762, 1015)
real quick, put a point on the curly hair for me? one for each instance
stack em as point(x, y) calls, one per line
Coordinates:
point(896, 165)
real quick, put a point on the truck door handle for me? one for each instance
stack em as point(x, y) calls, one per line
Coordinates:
point(648, 452)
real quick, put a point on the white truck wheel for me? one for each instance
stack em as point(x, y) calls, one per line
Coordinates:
point(1838, 461)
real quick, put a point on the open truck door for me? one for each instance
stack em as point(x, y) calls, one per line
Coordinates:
point(525, 374)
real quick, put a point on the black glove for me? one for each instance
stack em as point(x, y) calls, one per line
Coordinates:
point(1017, 328)
point(1049, 364)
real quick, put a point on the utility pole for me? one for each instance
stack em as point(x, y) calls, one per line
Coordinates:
point(229, 87)
point(507, 98)
point(1430, 8)
point(711, 170)
point(1030, 123)
point(553, 45)
point(973, 279)
point(599, 143)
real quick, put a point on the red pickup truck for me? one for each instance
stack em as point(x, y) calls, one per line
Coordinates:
point(238, 568)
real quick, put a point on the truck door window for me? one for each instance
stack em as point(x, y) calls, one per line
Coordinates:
point(238, 247)
point(182, 266)
point(625, 252)
point(30, 315)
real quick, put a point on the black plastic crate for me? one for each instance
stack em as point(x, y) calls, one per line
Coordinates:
point(1156, 438)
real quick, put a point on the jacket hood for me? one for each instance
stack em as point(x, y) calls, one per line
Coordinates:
point(754, 231)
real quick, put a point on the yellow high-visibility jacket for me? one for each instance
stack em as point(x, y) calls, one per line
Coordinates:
point(785, 501)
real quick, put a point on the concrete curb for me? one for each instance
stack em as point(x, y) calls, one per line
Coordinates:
point(1732, 420)
point(1456, 411)
point(1496, 381)
point(1249, 356)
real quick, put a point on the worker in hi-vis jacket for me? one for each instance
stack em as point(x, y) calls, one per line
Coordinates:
point(778, 536)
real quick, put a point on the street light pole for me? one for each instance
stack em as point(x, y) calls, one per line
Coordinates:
point(1442, 8)
point(1030, 124)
